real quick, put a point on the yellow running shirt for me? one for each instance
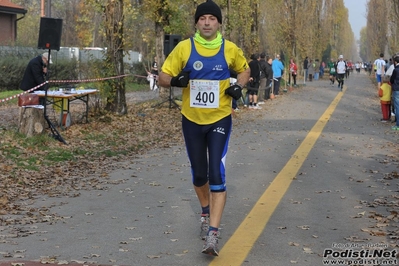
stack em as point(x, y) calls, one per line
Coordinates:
point(177, 61)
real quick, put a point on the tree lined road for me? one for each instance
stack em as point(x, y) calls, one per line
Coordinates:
point(313, 170)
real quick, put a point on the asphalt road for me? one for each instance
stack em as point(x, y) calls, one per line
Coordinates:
point(311, 172)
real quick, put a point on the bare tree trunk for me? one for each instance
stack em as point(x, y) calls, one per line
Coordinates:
point(159, 47)
point(114, 35)
point(160, 37)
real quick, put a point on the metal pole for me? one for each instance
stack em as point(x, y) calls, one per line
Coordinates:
point(48, 10)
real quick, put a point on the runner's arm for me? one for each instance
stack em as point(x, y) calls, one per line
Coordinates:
point(243, 77)
point(164, 80)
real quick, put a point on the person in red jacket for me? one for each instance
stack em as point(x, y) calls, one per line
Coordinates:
point(293, 72)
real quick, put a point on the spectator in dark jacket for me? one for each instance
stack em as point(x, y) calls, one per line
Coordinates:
point(269, 77)
point(263, 80)
point(395, 90)
point(305, 68)
point(35, 72)
point(254, 80)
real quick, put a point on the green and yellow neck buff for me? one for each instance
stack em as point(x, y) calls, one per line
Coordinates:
point(215, 43)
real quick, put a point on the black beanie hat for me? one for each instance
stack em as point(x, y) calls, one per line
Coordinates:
point(208, 8)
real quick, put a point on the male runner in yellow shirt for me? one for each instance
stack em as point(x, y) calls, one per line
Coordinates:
point(200, 65)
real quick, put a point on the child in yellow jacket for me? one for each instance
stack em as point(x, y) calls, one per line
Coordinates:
point(385, 92)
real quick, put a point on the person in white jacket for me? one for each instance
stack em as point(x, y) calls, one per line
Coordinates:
point(341, 71)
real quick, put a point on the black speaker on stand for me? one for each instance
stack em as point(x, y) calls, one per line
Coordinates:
point(50, 33)
point(169, 43)
point(50, 39)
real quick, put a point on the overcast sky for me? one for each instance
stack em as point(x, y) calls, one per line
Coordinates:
point(357, 15)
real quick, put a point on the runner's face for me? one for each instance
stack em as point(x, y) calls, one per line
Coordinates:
point(208, 27)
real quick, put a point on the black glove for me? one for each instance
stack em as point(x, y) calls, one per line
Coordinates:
point(180, 80)
point(234, 91)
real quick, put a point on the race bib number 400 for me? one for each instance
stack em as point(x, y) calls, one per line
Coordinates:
point(204, 93)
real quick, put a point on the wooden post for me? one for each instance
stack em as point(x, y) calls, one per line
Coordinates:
point(31, 121)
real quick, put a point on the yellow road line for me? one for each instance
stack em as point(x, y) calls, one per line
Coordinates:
point(241, 242)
